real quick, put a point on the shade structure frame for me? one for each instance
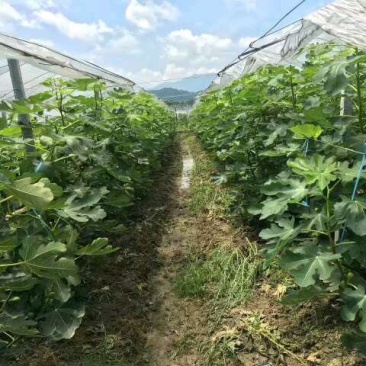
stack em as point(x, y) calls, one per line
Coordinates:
point(39, 63)
point(342, 22)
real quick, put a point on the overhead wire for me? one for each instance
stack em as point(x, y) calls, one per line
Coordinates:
point(253, 49)
point(281, 20)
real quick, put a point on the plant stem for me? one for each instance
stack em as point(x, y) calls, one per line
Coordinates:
point(60, 107)
point(6, 199)
point(11, 264)
point(293, 94)
point(329, 231)
point(359, 96)
point(7, 300)
point(332, 242)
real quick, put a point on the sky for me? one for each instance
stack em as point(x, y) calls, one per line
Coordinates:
point(149, 41)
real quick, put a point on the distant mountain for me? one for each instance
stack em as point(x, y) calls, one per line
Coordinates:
point(193, 84)
point(175, 96)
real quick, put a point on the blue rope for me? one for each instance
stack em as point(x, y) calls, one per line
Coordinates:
point(39, 166)
point(360, 171)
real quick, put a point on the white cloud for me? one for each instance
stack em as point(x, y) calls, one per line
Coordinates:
point(121, 43)
point(37, 4)
point(86, 32)
point(249, 5)
point(148, 15)
point(9, 15)
point(190, 54)
point(184, 48)
point(146, 77)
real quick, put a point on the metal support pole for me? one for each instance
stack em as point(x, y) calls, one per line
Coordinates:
point(346, 109)
point(3, 122)
point(19, 93)
point(346, 106)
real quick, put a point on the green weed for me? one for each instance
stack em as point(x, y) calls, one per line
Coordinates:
point(192, 281)
point(206, 195)
point(227, 275)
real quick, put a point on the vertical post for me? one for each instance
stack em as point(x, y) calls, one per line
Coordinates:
point(346, 106)
point(3, 122)
point(19, 93)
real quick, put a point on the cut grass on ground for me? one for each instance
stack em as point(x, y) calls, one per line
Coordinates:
point(227, 276)
point(206, 197)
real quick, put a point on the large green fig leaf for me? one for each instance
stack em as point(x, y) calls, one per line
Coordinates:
point(353, 214)
point(61, 290)
point(315, 169)
point(17, 282)
point(84, 214)
point(355, 304)
point(317, 221)
point(282, 150)
point(280, 131)
point(19, 325)
point(97, 247)
point(283, 231)
point(336, 76)
point(308, 262)
point(56, 189)
point(346, 173)
point(79, 206)
point(355, 341)
point(79, 146)
point(306, 131)
point(31, 195)
point(8, 244)
point(61, 323)
point(44, 260)
point(295, 297)
point(286, 191)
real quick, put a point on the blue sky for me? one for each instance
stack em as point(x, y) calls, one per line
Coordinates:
point(148, 40)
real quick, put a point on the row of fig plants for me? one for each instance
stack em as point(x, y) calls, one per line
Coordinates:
point(95, 151)
point(295, 159)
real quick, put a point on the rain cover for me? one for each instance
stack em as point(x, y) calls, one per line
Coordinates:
point(38, 63)
point(343, 21)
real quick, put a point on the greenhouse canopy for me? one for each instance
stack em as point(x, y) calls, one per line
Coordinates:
point(39, 63)
point(343, 21)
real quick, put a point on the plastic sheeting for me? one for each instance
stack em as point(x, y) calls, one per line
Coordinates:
point(39, 63)
point(343, 21)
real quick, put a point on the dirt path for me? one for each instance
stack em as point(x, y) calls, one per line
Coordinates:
point(173, 316)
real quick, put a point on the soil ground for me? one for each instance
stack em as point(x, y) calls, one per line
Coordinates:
point(136, 316)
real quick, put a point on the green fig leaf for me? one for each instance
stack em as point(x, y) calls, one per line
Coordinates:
point(315, 169)
point(44, 260)
point(308, 262)
point(355, 304)
point(31, 195)
point(306, 131)
point(97, 247)
point(61, 323)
